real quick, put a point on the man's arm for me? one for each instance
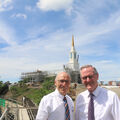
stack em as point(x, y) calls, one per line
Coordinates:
point(116, 108)
point(42, 113)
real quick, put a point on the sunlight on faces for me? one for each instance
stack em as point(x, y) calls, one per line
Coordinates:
point(89, 78)
point(62, 83)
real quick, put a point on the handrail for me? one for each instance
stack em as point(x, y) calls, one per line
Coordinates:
point(4, 113)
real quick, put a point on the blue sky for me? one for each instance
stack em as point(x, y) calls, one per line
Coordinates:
point(37, 34)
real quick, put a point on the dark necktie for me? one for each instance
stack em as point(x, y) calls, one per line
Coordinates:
point(91, 108)
point(67, 113)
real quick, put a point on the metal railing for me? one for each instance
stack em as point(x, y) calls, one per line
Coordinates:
point(31, 109)
point(13, 107)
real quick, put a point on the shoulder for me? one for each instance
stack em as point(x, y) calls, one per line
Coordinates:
point(48, 97)
point(108, 93)
point(82, 95)
point(82, 98)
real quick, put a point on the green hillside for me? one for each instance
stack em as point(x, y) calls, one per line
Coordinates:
point(34, 93)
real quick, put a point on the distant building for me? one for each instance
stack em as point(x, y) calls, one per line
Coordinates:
point(73, 66)
point(118, 83)
point(36, 76)
point(101, 82)
point(114, 83)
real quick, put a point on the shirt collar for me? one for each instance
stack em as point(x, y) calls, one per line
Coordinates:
point(95, 92)
point(58, 94)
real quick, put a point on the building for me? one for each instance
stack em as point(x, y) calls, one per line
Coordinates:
point(36, 76)
point(73, 66)
point(114, 83)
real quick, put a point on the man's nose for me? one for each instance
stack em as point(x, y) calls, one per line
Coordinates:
point(88, 79)
point(64, 83)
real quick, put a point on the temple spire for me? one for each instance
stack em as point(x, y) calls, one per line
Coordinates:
point(72, 41)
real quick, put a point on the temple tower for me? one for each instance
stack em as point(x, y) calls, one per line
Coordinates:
point(73, 58)
point(73, 66)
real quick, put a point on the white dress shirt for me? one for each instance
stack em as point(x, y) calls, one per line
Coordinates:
point(52, 107)
point(106, 105)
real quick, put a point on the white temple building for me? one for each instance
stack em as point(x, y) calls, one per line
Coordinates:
point(73, 59)
point(73, 66)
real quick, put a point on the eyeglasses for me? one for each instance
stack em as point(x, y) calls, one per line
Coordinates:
point(89, 76)
point(62, 81)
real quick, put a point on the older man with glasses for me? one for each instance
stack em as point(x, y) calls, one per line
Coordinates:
point(57, 105)
point(96, 103)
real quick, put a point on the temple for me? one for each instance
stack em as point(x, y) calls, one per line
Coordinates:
point(73, 66)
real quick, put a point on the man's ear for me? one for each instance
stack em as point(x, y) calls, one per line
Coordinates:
point(97, 75)
point(55, 82)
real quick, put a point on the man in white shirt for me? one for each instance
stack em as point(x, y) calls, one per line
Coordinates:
point(51, 106)
point(106, 103)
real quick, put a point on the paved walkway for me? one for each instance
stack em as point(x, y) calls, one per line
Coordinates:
point(23, 115)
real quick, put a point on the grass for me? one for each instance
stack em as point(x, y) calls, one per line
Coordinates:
point(35, 94)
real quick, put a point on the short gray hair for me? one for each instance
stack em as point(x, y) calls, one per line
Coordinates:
point(87, 66)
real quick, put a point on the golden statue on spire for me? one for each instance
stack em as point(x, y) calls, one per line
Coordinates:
point(73, 40)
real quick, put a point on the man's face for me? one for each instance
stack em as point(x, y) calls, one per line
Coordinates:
point(63, 83)
point(89, 78)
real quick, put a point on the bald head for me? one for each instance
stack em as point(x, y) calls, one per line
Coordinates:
point(62, 82)
point(63, 75)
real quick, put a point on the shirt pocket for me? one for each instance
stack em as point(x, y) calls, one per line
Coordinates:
point(83, 111)
point(72, 109)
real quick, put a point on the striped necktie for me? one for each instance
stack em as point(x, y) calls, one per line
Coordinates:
point(91, 108)
point(67, 113)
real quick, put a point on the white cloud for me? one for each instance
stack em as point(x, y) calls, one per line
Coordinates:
point(7, 34)
point(33, 33)
point(11, 67)
point(26, 58)
point(5, 5)
point(108, 70)
point(55, 5)
point(20, 15)
point(92, 7)
point(90, 33)
point(30, 8)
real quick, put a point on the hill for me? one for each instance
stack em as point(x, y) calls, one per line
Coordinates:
point(35, 93)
